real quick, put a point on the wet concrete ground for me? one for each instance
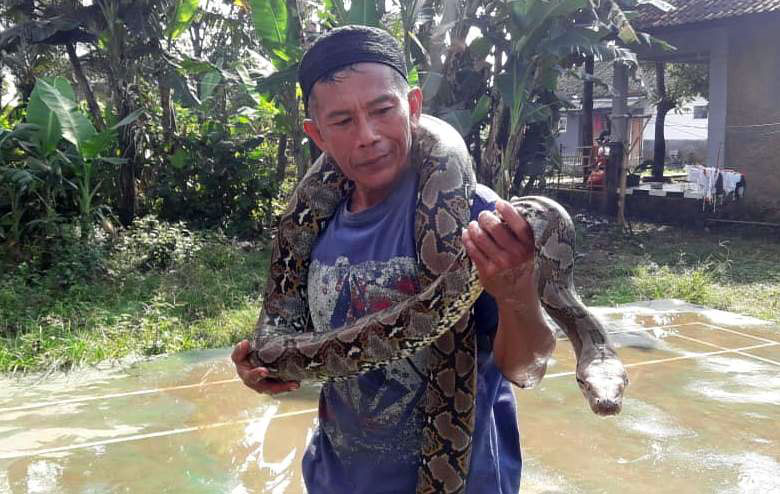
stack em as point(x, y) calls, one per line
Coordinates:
point(701, 416)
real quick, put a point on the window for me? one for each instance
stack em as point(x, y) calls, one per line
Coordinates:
point(700, 112)
point(562, 124)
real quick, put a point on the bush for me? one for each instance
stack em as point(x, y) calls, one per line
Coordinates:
point(151, 244)
point(695, 284)
point(218, 181)
point(73, 258)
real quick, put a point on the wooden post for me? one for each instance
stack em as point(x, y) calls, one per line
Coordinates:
point(614, 202)
point(614, 178)
point(586, 122)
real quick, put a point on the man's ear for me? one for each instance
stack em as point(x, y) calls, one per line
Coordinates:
point(313, 131)
point(415, 98)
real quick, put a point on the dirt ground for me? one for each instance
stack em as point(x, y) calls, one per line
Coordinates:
point(729, 267)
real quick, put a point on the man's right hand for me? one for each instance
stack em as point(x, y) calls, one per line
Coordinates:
point(256, 377)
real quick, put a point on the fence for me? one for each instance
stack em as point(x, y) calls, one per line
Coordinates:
point(575, 167)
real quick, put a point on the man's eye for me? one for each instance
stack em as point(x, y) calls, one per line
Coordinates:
point(384, 110)
point(342, 123)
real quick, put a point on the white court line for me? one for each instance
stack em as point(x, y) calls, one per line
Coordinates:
point(672, 359)
point(640, 329)
point(113, 395)
point(141, 392)
point(224, 381)
point(766, 340)
point(139, 437)
point(189, 386)
point(735, 351)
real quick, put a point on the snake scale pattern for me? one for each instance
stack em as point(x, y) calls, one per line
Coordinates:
point(440, 316)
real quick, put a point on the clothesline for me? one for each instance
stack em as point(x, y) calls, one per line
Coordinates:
point(714, 181)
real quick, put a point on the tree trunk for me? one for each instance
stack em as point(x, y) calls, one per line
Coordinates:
point(476, 148)
point(586, 136)
point(127, 201)
point(94, 109)
point(314, 151)
point(168, 115)
point(496, 144)
point(662, 108)
point(659, 149)
point(25, 88)
point(281, 159)
point(128, 198)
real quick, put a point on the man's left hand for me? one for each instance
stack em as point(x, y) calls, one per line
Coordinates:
point(503, 253)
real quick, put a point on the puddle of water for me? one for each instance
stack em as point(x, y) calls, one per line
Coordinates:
point(650, 421)
point(671, 436)
point(183, 424)
point(739, 380)
point(160, 426)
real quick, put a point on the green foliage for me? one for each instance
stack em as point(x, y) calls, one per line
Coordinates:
point(44, 176)
point(216, 181)
point(278, 31)
point(38, 113)
point(208, 84)
point(363, 12)
point(687, 81)
point(75, 126)
point(150, 244)
point(208, 301)
point(695, 284)
point(684, 81)
point(183, 17)
point(68, 260)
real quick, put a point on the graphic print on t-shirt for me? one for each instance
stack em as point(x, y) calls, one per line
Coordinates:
point(384, 402)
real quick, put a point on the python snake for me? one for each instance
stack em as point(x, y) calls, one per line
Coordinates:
point(440, 316)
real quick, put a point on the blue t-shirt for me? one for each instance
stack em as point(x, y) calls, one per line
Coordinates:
point(368, 439)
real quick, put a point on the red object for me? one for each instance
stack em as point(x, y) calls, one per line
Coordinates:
point(596, 178)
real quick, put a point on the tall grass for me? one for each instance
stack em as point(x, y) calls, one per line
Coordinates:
point(697, 284)
point(180, 291)
point(725, 270)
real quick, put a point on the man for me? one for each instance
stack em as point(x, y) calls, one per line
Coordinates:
point(364, 115)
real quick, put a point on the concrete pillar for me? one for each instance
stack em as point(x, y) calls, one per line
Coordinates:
point(718, 99)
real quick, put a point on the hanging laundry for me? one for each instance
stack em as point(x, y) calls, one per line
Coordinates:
point(714, 181)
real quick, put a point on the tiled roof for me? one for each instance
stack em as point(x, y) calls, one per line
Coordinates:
point(570, 86)
point(697, 11)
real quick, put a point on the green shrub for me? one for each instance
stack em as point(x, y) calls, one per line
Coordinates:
point(696, 284)
point(151, 244)
point(73, 257)
point(219, 181)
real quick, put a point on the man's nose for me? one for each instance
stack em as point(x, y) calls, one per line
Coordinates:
point(366, 132)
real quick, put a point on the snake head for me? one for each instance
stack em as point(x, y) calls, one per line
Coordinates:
point(602, 381)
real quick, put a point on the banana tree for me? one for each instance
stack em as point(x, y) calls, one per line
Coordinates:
point(278, 29)
point(64, 120)
point(33, 165)
point(278, 26)
point(15, 184)
point(546, 38)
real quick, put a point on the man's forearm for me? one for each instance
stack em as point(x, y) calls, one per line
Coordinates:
point(523, 343)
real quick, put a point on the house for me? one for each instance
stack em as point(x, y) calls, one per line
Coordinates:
point(570, 139)
point(740, 40)
point(685, 127)
point(685, 132)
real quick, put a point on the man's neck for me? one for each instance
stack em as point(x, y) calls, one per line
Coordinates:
point(365, 199)
point(362, 198)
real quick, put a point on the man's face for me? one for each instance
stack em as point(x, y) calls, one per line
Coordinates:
point(364, 121)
